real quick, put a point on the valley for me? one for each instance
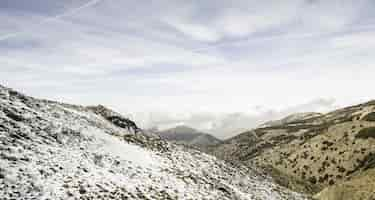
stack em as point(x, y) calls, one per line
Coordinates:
point(52, 150)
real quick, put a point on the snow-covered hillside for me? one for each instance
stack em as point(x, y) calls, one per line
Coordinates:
point(50, 150)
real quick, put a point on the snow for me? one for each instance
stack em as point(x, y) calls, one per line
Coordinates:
point(60, 151)
point(107, 144)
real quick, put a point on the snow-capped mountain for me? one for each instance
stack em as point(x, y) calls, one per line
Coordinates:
point(51, 150)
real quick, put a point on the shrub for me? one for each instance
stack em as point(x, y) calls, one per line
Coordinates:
point(370, 103)
point(312, 180)
point(370, 117)
point(366, 133)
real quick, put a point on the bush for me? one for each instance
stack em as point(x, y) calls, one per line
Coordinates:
point(370, 117)
point(312, 180)
point(370, 103)
point(366, 133)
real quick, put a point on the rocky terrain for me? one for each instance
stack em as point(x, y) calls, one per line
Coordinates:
point(189, 136)
point(330, 155)
point(51, 150)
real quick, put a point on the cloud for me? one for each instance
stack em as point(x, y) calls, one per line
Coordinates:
point(360, 41)
point(208, 64)
point(195, 31)
point(225, 125)
point(50, 19)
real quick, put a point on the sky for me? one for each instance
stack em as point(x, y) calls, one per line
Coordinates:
point(216, 65)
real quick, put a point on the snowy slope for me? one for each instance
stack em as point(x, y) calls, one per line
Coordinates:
point(50, 150)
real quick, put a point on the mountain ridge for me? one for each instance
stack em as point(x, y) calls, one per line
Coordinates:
point(291, 118)
point(189, 136)
point(319, 155)
point(51, 150)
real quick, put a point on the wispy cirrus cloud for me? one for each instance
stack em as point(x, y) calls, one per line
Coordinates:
point(46, 20)
point(190, 60)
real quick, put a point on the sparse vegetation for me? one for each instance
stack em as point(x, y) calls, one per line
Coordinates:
point(370, 117)
point(326, 151)
point(366, 133)
point(312, 180)
point(370, 103)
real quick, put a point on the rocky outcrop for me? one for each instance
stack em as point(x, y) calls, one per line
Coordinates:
point(115, 118)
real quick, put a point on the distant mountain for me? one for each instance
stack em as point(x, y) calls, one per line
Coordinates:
point(52, 150)
point(291, 118)
point(330, 155)
point(188, 136)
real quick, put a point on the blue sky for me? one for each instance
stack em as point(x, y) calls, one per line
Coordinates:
point(200, 63)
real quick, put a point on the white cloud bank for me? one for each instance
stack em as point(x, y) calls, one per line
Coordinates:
point(207, 64)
